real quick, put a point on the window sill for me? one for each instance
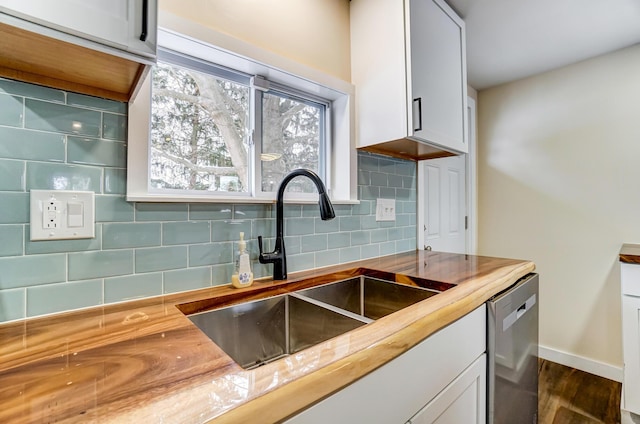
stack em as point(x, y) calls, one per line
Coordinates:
point(159, 198)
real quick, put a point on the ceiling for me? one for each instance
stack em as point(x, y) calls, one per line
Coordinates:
point(513, 39)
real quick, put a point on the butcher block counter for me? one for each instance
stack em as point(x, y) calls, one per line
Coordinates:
point(144, 361)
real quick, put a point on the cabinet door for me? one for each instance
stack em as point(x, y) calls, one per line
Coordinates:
point(631, 350)
point(394, 392)
point(117, 23)
point(462, 401)
point(438, 74)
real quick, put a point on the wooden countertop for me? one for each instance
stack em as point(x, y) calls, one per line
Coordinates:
point(630, 253)
point(144, 361)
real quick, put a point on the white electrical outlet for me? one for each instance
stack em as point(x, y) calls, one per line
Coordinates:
point(386, 210)
point(62, 214)
point(51, 214)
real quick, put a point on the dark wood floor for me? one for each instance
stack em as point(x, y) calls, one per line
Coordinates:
point(570, 396)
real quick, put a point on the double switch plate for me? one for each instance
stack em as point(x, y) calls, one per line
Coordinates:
point(386, 210)
point(62, 214)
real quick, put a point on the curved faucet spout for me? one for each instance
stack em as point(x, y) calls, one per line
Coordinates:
point(278, 256)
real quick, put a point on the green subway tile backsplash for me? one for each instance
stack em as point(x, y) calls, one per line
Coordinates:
point(91, 151)
point(350, 223)
point(24, 271)
point(230, 230)
point(210, 254)
point(12, 304)
point(104, 105)
point(17, 143)
point(349, 254)
point(187, 279)
point(52, 298)
point(299, 226)
point(210, 211)
point(300, 262)
point(327, 258)
point(126, 235)
point(186, 232)
point(114, 209)
point(388, 248)
point(11, 108)
point(330, 226)
point(56, 176)
point(87, 265)
point(161, 258)
point(252, 211)
point(31, 90)
point(132, 287)
point(313, 243)
point(114, 127)
point(11, 240)
point(55, 117)
point(293, 244)
point(161, 212)
point(11, 175)
point(337, 240)
point(73, 141)
point(115, 181)
point(360, 237)
point(14, 208)
point(370, 251)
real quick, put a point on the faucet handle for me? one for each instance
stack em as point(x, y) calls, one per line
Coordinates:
point(260, 244)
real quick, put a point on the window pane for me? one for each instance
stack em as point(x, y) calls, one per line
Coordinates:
point(292, 136)
point(198, 131)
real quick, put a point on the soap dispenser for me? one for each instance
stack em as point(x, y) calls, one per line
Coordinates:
point(242, 275)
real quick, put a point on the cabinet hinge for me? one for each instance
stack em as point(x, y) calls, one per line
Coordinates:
point(466, 222)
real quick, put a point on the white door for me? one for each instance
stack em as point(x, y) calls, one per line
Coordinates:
point(442, 204)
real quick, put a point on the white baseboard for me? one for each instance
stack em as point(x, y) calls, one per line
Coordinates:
point(581, 363)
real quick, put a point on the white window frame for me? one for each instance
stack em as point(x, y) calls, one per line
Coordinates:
point(212, 46)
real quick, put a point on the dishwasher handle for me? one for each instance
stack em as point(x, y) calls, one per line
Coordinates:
point(515, 315)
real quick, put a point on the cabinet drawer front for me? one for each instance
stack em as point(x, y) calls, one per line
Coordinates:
point(630, 279)
point(396, 391)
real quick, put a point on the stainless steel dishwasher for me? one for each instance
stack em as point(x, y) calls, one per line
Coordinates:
point(512, 351)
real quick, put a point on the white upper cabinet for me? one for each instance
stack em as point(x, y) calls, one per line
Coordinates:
point(101, 48)
point(409, 69)
point(128, 25)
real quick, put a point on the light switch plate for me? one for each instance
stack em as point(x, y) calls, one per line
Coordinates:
point(62, 214)
point(386, 210)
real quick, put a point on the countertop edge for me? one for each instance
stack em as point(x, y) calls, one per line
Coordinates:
point(630, 253)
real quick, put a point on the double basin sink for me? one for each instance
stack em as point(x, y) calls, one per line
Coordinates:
point(258, 332)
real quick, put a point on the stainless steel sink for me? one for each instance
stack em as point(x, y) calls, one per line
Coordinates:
point(368, 297)
point(258, 332)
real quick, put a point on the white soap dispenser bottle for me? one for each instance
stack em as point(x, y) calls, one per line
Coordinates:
point(242, 277)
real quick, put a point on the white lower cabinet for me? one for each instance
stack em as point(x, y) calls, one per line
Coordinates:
point(631, 337)
point(440, 380)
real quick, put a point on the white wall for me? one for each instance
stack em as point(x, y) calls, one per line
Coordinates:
point(311, 32)
point(559, 170)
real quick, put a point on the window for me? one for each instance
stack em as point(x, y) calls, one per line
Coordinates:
point(199, 129)
point(220, 131)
